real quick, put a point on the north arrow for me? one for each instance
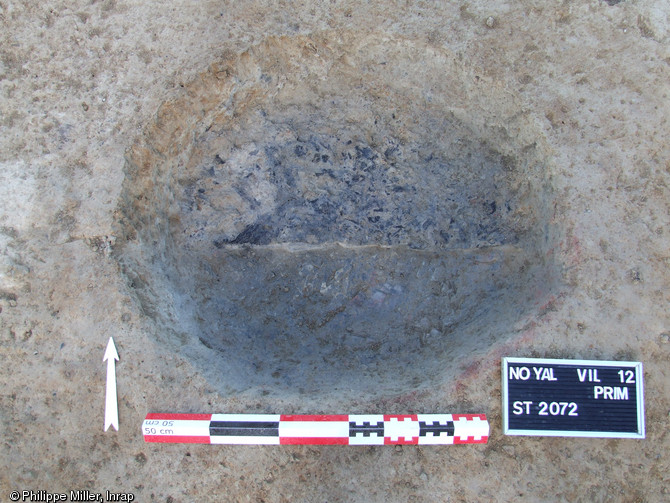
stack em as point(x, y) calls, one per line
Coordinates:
point(111, 408)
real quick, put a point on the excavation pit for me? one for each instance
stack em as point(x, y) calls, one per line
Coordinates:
point(337, 214)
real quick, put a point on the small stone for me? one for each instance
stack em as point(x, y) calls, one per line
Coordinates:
point(424, 476)
point(85, 106)
point(635, 276)
point(665, 337)
point(490, 21)
point(398, 449)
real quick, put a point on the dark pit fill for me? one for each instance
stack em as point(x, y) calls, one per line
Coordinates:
point(329, 215)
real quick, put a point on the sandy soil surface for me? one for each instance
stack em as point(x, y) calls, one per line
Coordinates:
point(104, 104)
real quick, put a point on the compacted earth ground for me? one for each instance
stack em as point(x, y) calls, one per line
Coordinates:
point(314, 208)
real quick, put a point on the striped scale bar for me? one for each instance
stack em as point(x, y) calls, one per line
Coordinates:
point(340, 429)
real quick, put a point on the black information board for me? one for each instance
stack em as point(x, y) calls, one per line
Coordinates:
point(575, 398)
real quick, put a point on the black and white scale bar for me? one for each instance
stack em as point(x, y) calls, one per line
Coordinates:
point(244, 428)
point(338, 429)
point(436, 428)
point(366, 429)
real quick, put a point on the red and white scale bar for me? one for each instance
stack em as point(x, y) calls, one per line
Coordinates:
point(275, 429)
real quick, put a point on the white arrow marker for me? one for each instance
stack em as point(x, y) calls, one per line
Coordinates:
point(111, 408)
